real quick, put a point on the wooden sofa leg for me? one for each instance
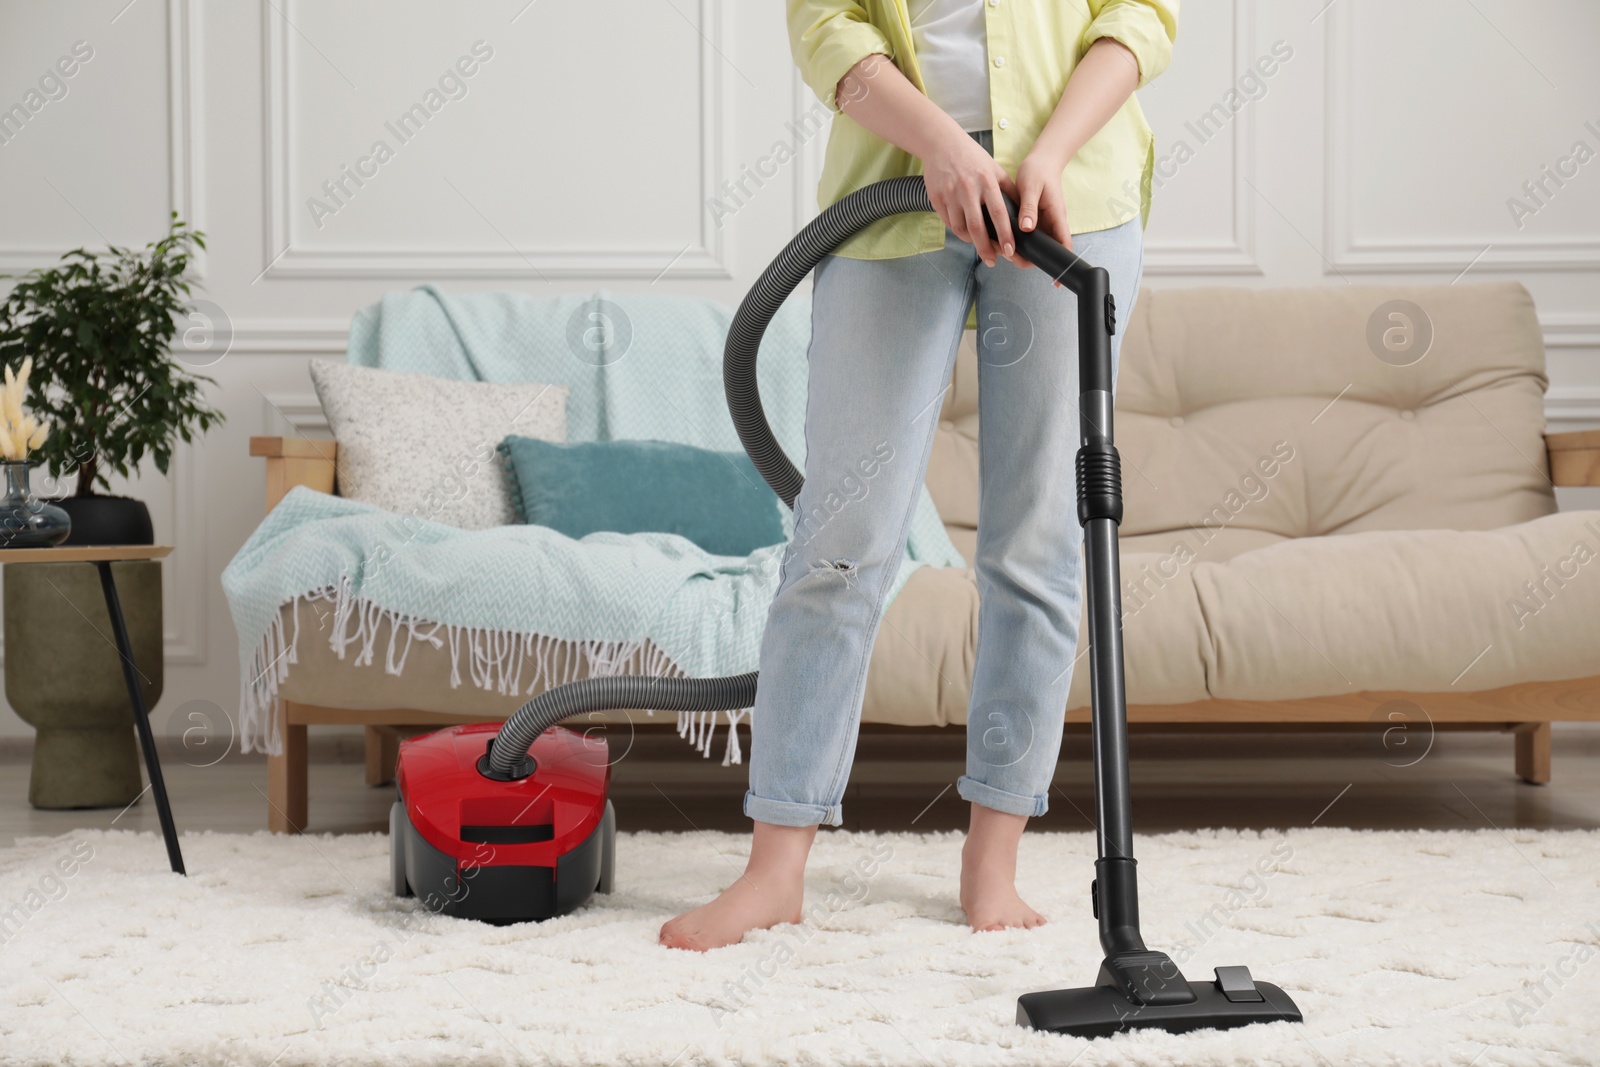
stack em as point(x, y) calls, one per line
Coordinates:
point(383, 749)
point(286, 783)
point(1533, 753)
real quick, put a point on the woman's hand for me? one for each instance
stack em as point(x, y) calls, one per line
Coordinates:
point(962, 179)
point(1099, 85)
point(1040, 205)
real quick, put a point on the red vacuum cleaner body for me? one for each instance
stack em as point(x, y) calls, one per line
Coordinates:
point(471, 845)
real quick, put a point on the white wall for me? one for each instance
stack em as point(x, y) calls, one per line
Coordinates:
point(1384, 148)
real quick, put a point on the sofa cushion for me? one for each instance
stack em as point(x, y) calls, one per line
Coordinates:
point(718, 500)
point(1251, 415)
point(1424, 611)
point(1215, 381)
point(424, 447)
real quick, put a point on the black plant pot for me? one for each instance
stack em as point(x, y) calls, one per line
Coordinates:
point(107, 520)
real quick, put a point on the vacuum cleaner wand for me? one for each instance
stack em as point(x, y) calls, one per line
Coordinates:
point(1137, 987)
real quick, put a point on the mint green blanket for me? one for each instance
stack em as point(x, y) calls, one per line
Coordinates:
point(640, 367)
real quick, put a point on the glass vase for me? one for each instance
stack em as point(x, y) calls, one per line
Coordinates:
point(25, 520)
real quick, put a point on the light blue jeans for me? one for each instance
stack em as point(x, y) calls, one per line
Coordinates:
point(883, 345)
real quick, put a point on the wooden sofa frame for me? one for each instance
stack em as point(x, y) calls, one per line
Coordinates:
point(1526, 710)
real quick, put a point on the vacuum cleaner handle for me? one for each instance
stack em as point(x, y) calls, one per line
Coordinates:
point(1097, 311)
point(1038, 247)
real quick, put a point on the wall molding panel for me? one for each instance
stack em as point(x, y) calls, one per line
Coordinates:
point(186, 118)
point(703, 257)
point(1236, 256)
point(1572, 408)
point(311, 337)
point(1351, 252)
point(184, 150)
point(1571, 331)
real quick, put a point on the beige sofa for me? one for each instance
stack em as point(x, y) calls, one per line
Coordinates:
point(1313, 535)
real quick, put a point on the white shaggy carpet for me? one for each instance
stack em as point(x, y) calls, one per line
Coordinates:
point(1401, 948)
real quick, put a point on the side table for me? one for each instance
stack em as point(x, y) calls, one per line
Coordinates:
point(102, 556)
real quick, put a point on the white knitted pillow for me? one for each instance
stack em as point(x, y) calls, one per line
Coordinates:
point(425, 447)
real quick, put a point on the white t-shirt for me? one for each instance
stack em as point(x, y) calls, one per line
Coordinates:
point(952, 49)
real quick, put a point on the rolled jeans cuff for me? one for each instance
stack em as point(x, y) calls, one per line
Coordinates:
point(1000, 800)
point(789, 813)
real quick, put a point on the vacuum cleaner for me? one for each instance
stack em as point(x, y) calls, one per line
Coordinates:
point(512, 823)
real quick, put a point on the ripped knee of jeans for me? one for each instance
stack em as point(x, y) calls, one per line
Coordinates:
point(843, 567)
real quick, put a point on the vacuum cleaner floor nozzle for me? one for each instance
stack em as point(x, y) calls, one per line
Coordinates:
point(1234, 999)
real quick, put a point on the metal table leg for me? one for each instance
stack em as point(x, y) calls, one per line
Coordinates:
point(141, 717)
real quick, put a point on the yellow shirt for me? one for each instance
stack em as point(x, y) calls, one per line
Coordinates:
point(1033, 47)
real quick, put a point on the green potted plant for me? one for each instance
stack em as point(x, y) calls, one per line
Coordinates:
point(99, 328)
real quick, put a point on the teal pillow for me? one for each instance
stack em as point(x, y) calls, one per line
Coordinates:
point(718, 500)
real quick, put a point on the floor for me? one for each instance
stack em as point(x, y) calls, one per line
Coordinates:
point(905, 781)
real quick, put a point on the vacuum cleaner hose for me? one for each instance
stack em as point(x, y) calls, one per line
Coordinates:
point(895, 196)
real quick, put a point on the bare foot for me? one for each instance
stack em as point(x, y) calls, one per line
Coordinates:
point(989, 872)
point(743, 906)
point(770, 892)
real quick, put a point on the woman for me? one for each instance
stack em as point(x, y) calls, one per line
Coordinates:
point(1031, 99)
